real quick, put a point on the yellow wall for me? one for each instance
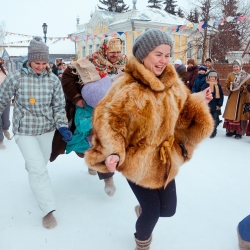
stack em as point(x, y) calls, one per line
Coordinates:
point(180, 44)
point(129, 45)
point(183, 49)
point(100, 28)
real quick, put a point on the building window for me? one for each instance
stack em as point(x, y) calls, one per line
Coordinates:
point(199, 52)
point(90, 49)
point(83, 51)
point(190, 50)
point(97, 47)
point(124, 47)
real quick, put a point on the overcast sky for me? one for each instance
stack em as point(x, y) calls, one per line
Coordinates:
point(27, 16)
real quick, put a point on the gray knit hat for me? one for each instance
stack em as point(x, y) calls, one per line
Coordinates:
point(147, 41)
point(38, 50)
point(212, 73)
point(236, 63)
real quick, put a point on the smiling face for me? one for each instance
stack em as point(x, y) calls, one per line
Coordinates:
point(157, 59)
point(208, 64)
point(113, 57)
point(38, 66)
point(236, 68)
point(212, 78)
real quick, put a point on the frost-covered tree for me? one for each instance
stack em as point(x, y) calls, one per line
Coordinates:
point(156, 4)
point(170, 6)
point(229, 36)
point(180, 13)
point(114, 5)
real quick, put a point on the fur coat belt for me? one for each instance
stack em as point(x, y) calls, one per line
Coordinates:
point(149, 122)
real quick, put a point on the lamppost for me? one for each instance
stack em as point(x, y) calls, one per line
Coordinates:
point(134, 4)
point(113, 5)
point(133, 28)
point(45, 31)
point(77, 20)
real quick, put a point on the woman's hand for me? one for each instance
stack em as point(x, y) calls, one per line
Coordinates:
point(80, 103)
point(111, 162)
point(207, 94)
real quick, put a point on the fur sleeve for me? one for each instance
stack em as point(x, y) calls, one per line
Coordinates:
point(195, 123)
point(109, 134)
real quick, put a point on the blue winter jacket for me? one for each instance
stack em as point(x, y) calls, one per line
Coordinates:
point(199, 82)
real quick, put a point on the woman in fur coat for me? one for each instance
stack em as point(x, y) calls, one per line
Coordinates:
point(235, 119)
point(146, 127)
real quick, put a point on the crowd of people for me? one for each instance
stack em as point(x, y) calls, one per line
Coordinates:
point(112, 112)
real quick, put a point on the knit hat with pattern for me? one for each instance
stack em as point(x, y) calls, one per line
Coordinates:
point(212, 73)
point(203, 67)
point(38, 50)
point(149, 40)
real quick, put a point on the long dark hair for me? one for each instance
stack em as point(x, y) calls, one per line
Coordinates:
point(2, 67)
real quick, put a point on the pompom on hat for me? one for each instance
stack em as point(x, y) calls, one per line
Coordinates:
point(149, 40)
point(38, 50)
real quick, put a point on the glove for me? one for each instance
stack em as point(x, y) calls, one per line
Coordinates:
point(66, 134)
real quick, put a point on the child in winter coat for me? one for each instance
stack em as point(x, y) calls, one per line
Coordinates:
point(200, 79)
point(218, 98)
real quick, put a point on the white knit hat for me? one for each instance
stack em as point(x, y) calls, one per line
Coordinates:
point(178, 61)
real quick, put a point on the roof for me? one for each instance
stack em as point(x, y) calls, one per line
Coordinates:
point(149, 15)
point(17, 51)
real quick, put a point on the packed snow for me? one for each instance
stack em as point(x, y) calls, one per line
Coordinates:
point(212, 190)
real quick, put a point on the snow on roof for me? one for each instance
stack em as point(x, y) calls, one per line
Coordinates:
point(159, 16)
point(17, 51)
point(154, 16)
point(60, 47)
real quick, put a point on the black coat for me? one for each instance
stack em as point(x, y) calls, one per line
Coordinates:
point(216, 101)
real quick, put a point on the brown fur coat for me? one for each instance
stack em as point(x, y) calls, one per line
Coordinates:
point(137, 119)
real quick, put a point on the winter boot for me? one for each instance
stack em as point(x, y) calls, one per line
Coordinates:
point(7, 134)
point(237, 136)
point(109, 186)
point(138, 210)
point(143, 244)
point(243, 245)
point(92, 171)
point(230, 134)
point(49, 221)
point(2, 146)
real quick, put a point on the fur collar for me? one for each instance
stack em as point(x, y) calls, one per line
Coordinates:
point(143, 75)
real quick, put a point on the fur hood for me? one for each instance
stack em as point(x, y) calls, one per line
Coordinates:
point(152, 123)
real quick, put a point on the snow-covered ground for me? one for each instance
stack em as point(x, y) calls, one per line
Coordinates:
point(212, 189)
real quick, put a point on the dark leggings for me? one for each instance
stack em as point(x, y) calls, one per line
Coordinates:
point(104, 176)
point(155, 203)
